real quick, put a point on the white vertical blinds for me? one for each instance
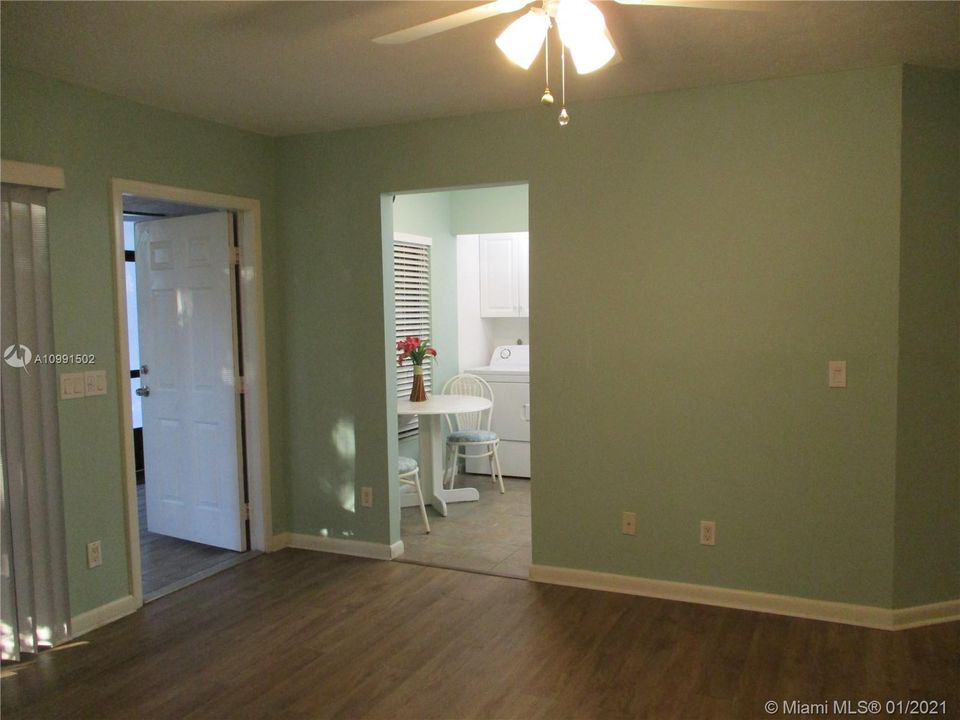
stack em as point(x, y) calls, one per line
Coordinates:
point(34, 607)
point(411, 297)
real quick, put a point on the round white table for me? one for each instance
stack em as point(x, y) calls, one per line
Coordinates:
point(432, 444)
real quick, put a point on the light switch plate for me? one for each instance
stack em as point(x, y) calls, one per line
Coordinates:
point(837, 373)
point(71, 386)
point(95, 382)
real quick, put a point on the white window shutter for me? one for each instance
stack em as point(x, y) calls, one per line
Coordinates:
point(411, 297)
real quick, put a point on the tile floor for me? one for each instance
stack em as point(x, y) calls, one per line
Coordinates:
point(490, 536)
point(168, 562)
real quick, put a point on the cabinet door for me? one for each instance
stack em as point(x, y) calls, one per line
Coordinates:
point(499, 292)
point(511, 410)
point(522, 246)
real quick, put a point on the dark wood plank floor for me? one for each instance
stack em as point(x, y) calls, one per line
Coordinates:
point(297, 634)
point(165, 561)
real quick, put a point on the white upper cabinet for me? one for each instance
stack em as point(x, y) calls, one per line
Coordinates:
point(523, 265)
point(504, 290)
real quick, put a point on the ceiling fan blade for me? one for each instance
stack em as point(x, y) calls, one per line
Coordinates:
point(464, 17)
point(741, 6)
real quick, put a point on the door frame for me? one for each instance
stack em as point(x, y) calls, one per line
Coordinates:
point(253, 347)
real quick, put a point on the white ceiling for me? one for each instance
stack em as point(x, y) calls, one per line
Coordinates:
point(289, 67)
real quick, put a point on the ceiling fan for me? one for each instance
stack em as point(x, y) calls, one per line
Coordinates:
point(580, 25)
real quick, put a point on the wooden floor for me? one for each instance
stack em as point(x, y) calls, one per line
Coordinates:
point(491, 535)
point(166, 561)
point(299, 634)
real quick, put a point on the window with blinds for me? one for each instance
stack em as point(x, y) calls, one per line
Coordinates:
point(411, 298)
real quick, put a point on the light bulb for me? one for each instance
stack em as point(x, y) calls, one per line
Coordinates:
point(547, 98)
point(584, 31)
point(523, 38)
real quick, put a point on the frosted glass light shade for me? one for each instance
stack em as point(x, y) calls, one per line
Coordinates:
point(523, 38)
point(584, 31)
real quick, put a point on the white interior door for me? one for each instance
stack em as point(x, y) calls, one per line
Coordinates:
point(185, 294)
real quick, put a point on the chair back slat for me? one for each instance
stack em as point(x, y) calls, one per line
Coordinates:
point(466, 384)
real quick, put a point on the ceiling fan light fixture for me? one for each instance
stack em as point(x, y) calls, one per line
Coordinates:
point(584, 32)
point(523, 38)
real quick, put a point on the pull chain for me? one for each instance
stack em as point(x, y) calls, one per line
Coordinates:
point(547, 98)
point(564, 116)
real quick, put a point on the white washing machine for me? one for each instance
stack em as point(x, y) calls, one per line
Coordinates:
point(509, 376)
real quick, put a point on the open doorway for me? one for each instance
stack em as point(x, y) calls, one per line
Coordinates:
point(182, 303)
point(461, 279)
point(196, 492)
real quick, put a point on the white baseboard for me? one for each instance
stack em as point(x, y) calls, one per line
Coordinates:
point(341, 546)
point(278, 542)
point(921, 615)
point(98, 617)
point(862, 615)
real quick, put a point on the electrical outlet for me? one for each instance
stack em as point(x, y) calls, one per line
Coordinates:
point(94, 557)
point(837, 373)
point(708, 532)
point(366, 496)
point(628, 523)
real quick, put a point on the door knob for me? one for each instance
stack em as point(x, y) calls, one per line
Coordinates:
point(143, 391)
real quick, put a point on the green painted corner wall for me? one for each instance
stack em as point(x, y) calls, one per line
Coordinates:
point(696, 259)
point(927, 547)
point(94, 138)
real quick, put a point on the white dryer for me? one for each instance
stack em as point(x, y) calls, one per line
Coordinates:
point(509, 376)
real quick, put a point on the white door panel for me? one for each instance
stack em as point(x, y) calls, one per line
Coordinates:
point(185, 292)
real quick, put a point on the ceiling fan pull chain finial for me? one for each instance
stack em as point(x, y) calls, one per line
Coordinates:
point(547, 98)
point(564, 118)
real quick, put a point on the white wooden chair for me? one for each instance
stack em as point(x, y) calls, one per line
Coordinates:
point(469, 434)
point(410, 475)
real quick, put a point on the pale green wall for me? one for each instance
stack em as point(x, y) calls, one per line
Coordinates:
point(489, 210)
point(94, 138)
point(928, 378)
point(698, 257)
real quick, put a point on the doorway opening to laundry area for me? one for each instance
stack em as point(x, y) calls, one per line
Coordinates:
point(457, 270)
